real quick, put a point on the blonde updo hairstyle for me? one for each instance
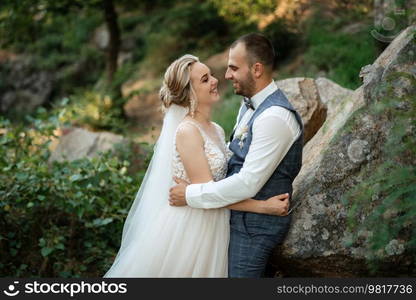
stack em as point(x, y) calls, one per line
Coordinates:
point(176, 87)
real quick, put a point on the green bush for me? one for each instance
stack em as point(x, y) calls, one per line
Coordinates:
point(93, 110)
point(61, 39)
point(60, 219)
point(185, 28)
point(338, 54)
point(244, 11)
point(59, 43)
point(283, 38)
point(225, 113)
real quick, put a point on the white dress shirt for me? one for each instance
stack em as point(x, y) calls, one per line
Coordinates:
point(274, 132)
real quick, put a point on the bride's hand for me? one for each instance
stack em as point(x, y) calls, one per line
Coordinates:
point(277, 205)
point(177, 193)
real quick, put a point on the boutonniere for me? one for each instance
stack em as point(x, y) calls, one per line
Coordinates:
point(242, 135)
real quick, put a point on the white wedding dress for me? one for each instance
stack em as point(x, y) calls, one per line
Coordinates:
point(184, 241)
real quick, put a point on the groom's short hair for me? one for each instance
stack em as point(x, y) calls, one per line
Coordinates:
point(259, 49)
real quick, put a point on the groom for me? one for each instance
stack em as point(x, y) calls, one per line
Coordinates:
point(267, 156)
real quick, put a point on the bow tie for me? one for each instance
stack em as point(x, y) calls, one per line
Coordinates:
point(248, 103)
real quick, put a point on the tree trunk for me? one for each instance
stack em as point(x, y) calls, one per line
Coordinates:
point(111, 17)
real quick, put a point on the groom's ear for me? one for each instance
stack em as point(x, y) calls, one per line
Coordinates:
point(258, 70)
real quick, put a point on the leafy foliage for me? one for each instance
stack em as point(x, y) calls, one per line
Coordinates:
point(176, 31)
point(226, 114)
point(283, 38)
point(60, 219)
point(93, 110)
point(340, 55)
point(244, 11)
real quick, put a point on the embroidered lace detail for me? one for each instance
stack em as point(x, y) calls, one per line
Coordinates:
point(217, 155)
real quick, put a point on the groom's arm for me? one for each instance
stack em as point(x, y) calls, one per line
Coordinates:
point(272, 139)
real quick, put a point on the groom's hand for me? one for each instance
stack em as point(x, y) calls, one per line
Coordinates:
point(177, 193)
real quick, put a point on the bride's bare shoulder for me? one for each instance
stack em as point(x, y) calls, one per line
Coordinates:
point(188, 131)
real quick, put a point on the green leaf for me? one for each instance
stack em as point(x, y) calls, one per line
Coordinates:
point(75, 177)
point(46, 251)
point(102, 222)
point(22, 176)
point(13, 252)
point(42, 242)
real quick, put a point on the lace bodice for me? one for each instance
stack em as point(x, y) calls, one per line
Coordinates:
point(216, 154)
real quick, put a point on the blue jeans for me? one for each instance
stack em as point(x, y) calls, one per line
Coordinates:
point(252, 243)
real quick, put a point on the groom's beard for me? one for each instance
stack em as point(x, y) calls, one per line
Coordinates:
point(246, 87)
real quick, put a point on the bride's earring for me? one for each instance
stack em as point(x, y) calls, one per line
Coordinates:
point(192, 107)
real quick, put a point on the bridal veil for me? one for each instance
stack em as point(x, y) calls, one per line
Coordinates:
point(152, 196)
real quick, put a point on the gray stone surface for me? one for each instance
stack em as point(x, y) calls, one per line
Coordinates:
point(24, 88)
point(80, 143)
point(347, 146)
point(315, 100)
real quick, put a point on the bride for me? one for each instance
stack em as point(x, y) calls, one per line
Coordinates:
point(160, 240)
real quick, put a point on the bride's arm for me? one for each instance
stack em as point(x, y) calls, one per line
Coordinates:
point(190, 146)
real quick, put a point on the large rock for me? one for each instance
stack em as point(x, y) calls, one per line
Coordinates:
point(101, 37)
point(23, 88)
point(79, 143)
point(346, 149)
point(144, 106)
point(331, 94)
point(315, 100)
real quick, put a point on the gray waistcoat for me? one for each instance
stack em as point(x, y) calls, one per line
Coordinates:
point(282, 178)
